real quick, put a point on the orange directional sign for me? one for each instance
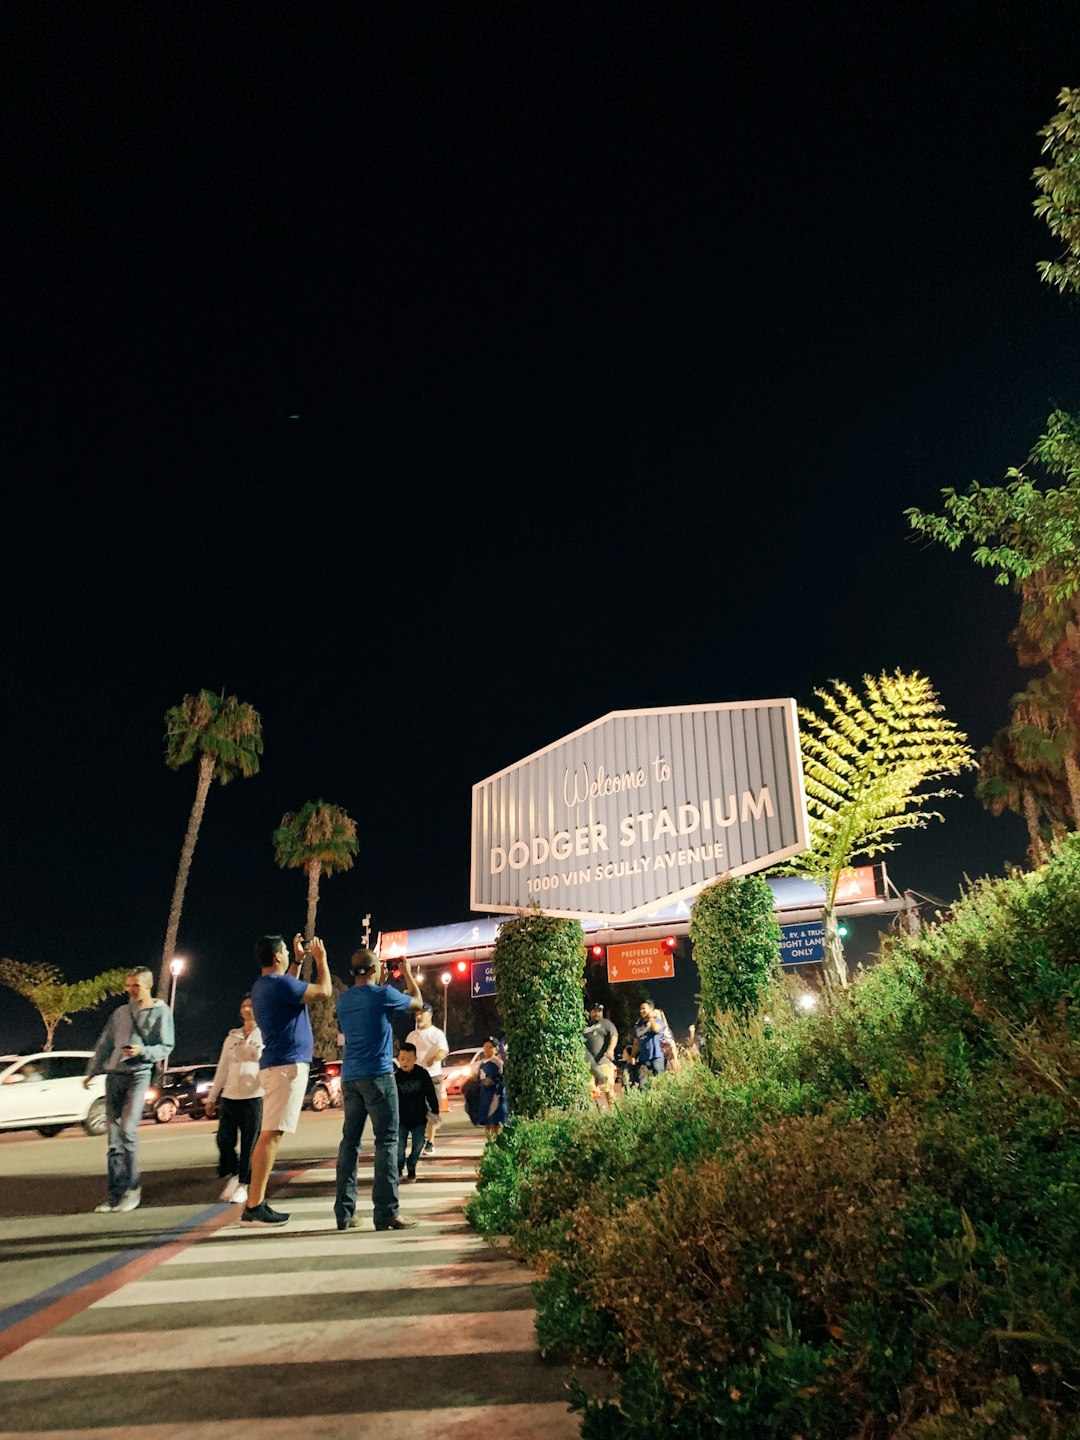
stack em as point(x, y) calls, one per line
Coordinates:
point(648, 960)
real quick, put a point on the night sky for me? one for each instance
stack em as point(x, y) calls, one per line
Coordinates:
point(439, 378)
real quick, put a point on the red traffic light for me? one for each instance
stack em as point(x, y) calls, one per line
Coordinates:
point(462, 967)
point(596, 952)
point(669, 942)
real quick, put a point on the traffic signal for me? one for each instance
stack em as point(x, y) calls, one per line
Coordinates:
point(669, 942)
point(842, 930)
point(596, 953)
point(462, 967)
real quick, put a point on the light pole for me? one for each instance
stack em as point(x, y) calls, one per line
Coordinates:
point(176, 969)
point(445, 978)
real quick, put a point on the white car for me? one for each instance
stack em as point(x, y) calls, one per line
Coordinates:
point(456, 1066)
point(45, 1093)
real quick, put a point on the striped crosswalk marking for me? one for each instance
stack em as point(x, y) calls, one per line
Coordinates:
point(264, 1335)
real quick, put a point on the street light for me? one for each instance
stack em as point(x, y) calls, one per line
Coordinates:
point(445, 978)
point(176, 968)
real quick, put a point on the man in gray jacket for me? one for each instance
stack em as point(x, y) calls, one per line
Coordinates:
point(137, 1036)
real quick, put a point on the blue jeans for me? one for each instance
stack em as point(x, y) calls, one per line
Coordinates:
point(417, 1133)
point(377, 1096)
point(124, 1099)
point(650, 1067)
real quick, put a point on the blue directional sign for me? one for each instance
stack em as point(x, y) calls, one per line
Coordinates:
point(483, 979)
point(800, 944)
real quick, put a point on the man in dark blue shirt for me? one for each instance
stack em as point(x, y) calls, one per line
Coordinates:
point(280, 1000)
point(369, 1088)
point(649, 1035)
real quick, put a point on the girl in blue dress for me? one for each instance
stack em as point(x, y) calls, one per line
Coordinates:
point(492, 1111)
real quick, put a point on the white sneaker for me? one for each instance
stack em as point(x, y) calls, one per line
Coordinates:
point(239, 1195)
point(105, 1208)
point(231, 1187)
point(129, 1201)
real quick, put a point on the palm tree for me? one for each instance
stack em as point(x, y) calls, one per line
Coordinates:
point(1008, 781)
point(54, 998)
point(226, 735)
point(1045, 729)
point(319, 839)
point(865, 761)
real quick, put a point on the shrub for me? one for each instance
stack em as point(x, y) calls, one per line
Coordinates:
point(736, 942)
point(539, 968)
point(863, 1223)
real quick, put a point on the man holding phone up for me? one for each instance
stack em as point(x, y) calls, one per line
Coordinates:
point(280, 999)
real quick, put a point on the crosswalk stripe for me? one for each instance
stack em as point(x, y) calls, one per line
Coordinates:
point(290, 1246)
point(385, 1338)
point(508, 1422)
point(175, 1291)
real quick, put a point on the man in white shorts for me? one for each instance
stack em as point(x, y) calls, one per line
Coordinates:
point(280, 1000)
point(431, 1050)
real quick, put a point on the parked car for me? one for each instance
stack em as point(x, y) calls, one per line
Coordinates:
point(45, 1092)
point(180, 1091)
point(324, 1085)
point(455, 1068)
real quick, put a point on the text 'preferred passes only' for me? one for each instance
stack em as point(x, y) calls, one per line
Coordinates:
point(647, 960)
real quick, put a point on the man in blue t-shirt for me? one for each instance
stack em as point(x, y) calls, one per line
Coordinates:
point(369, 1088)
point(280, 1000)
point(649, 1035)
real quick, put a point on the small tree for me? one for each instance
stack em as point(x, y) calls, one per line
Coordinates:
point(539, 975)
point(54, 998)
point(865, 760)
point(736, 940)
point(226, 734)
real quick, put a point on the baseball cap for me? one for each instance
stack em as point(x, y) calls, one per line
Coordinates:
point(362, 962)
point(595, 1005)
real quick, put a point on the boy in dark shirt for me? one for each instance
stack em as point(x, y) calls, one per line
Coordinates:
point(417, 1102)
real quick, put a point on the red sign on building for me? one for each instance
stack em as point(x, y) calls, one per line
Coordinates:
point(856, 884)
point(647, 960)
point(393, 945)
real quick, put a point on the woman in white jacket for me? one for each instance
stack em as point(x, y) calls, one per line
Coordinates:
point(238, 1083)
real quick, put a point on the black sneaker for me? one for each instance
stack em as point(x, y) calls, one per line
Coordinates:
point(262, 1215)
point(398, 1223)
point(428, 1150)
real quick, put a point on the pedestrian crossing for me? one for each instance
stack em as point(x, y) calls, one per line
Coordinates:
point(426, 1332)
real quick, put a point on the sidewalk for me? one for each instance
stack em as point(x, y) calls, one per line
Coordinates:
point(226, 1334)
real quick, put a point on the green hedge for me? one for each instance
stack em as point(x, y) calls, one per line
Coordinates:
point(865, 1223)
point(539, 965)
point(736, 941)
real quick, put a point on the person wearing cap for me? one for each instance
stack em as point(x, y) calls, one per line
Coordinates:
point(601, 1038)
point(432, 1048)
point(369, 1088)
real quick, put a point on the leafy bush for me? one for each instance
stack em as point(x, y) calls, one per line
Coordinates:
point(736, 942)
point(539, 968)
point(864, 1223)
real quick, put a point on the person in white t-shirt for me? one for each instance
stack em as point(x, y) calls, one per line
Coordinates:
point(431, 1050)
point(237, 1086)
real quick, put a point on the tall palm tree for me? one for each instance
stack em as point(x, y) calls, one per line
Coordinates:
point(1007, 782)
point(1046, 732)
point(226, 735)
point(319, 839)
